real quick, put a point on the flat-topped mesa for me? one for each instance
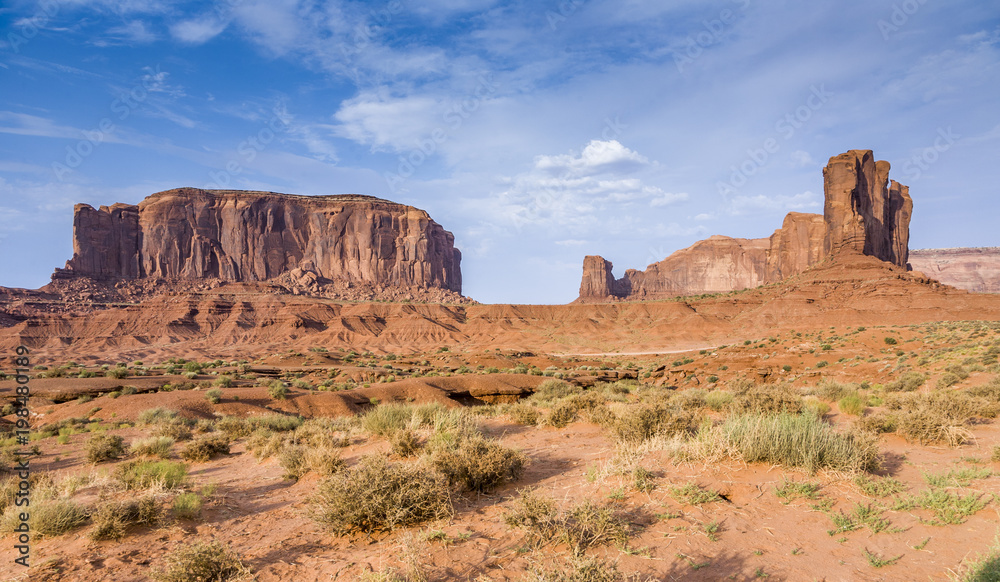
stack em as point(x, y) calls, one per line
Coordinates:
point(864, 213)
point(189, 234)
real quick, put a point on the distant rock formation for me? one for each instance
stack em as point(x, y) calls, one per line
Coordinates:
point(191, 234)
point(864, 213)
point(972, 269)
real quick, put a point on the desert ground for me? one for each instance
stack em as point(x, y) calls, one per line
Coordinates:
point(819, 451)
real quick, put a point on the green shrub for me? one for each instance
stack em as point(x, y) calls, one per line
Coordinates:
point(203, 562)
point(798, 441)
point(137, 474)
point(562, 414)
point(117, 373)
point(214, 396)
point(376, 495)
point(157, 446)
point(206, 448)
point(891, 341)
point(105, 447)
point(909, 382)
point(277, 390)
point(479, 464)
point(948, 379)
point(157, 415)
point(223, 382)
point(549, 391)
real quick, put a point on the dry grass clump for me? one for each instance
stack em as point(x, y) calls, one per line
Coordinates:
point(405, 443)
point(523, 413)
point(853, 404)
point(48, 517)
point(203, 562)
point(750, 398)
point(582, 570)
point(297, 460)
point(105, 447)
point(157, 446)
point(940, 417)
point(561, 414)
point(376, 495)
point(235, 427)
point(580, 527)
point(798, 441)
point(645, 421)
point(719, 400)
point(206, 448)
point(113, 518)
point(479, 464)
point(138, 474)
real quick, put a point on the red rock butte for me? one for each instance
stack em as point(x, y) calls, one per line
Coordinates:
point(189, 234)
point(864, 214)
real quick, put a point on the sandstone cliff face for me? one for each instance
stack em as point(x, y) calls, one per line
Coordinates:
point(864, 214)
point(188, 234)
point(976, 270)
point(796, 246)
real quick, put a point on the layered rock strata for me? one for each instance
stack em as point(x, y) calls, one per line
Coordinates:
point(975, 269)
point(190, 234)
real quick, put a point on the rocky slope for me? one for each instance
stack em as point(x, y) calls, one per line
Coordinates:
point(235, 236)
point(976, 269)
point(864, 214)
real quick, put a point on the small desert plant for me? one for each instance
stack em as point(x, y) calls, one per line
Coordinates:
point(206, 447)
point(791, 490)
point(136, 474)
point(852, 404)
point(693, 494)
point(549, 391)
point(562, 413)
point(188, 505)
point(986, 568)
point(750, 398)
point(376, 495)
point(718, 400)
point(214, 396)
point(878, 486)
point(105, 447)
point(156, 446)
point(479, 464)
point(117, 373)
point(203, 562)
point(579, 527)
point(387, 419)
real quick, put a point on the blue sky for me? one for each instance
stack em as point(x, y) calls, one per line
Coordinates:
point(537, 132)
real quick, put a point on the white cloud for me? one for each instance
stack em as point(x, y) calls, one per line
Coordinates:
point(385, 122)
point(132, 32)
point(199, 30)
point(597, 158)
point(667, 198)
